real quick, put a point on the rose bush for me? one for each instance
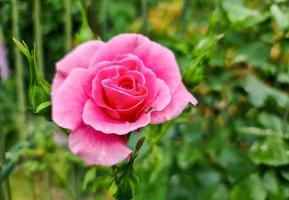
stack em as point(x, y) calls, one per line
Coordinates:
point(103, 91)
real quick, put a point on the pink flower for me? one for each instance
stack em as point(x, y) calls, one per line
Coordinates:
point(103, 91)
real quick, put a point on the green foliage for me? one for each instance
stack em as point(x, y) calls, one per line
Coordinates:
point(272, 151)
point(250, 187)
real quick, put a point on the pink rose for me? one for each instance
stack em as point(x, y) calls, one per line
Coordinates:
point(103, 91)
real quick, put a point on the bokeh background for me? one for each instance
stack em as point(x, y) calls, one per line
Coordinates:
point(234, 57)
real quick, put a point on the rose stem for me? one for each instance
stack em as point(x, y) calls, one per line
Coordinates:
point(67, 24)
point(105, 6)
point(4, 186)
point(38, 33)
point(183, 16)
point(20, 118)
point(144, 16)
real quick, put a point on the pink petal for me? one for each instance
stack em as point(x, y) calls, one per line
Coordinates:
point(179, 101)
point(158, 58)
point(162, 98)
point(69, 99)
point(96, 117)
point(97, 148)
point(79, 57)
point(119, 99)
point(57, 81)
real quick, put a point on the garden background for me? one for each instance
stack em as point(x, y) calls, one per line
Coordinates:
point(234, 57)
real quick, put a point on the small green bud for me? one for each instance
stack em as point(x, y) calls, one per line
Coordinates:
point(39, 88)
point(85, 33)
point(193, 73)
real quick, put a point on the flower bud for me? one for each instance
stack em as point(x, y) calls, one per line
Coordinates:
point(39, 88)
point(193, 73)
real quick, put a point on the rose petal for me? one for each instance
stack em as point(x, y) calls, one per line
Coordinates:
point(69, 99)
point(97, 148)
point(79, 57)
point(119, 99)
point(178, 103)
point(96, 117)
point(158, 58)
point(57, 81)
point(162, 98)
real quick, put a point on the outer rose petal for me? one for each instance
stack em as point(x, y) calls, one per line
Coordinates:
point(178, 103)
point(163, 97)
point(57, 81)
point(154, 56)
point(69, 99)
point(97, 118)
point(97, 148)
point(80, 57)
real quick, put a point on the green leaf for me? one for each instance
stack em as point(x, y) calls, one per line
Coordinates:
point(272, 151)
point(259, 92)
point(254, 53)
point(241, 16)
point(249, 188)
point(271, 183)
point(285, 173)
point(23, 48)
point(43, 106)
point(231, 158)
point(272, 122)
point(283, 78)
point(281, 19)
point(274, 186)
point(89, 177)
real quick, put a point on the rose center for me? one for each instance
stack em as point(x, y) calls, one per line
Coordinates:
point(126, 85)
point(125, 82)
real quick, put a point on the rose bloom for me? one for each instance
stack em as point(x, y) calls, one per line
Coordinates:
point(103, 91)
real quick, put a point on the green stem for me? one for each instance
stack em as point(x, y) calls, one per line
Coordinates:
point(34, 193)
point(48, 185)
point(2, 157)
point(105, 4)
point(38, 34)
point(144, 16)
point(67, 24)
point(183, 16)
point(20, 120)
point(4, 186)
point(75, 181)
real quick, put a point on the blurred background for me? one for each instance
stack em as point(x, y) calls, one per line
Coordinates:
point(234, 57)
